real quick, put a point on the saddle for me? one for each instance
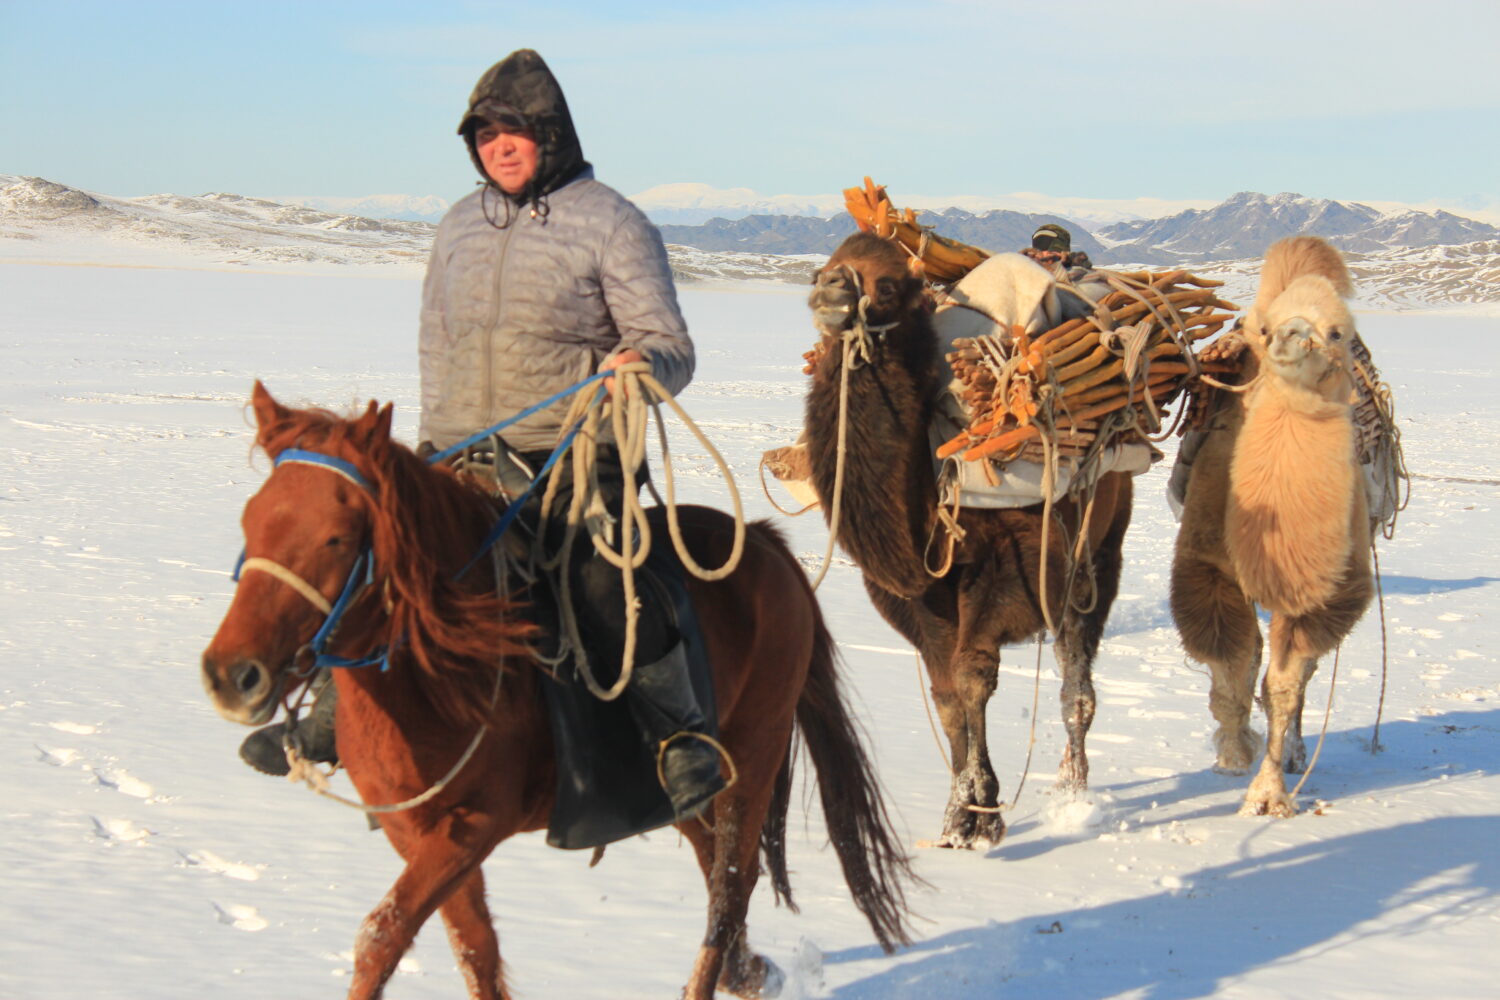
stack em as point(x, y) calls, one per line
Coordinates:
point(607, 787)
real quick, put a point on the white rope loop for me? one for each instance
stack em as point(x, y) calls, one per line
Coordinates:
point(286, 576)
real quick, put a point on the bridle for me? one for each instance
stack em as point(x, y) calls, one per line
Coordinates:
point(313, 654)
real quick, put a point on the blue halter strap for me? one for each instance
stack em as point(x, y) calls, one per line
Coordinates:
point(361, 574)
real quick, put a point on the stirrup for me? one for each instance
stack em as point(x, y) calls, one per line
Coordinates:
point(688, 802)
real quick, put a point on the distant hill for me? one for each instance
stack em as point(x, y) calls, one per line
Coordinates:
point(412, 208)
point(1401, 258)
point(1240, 227)
point(1245, 224)
point(995, 230)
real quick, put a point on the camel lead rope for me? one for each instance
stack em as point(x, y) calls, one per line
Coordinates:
point(1327, 711)
point(1384, 662)
point(838, 470)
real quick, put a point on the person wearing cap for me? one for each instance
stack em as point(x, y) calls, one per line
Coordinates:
point(1052, 247)
point(1053, 238)
point(537, 279)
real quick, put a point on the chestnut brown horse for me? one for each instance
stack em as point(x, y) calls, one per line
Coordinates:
point(454, 643)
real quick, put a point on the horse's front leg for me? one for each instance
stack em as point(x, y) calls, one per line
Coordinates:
point(471, 933)
point(439, 859)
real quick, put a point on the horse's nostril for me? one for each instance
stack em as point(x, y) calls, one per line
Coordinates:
point(248, 680)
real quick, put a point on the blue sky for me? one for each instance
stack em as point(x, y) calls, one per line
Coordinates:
point(1374, 100)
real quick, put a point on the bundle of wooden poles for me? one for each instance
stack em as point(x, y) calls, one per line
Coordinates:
point(1064, 381)
point(943, 260)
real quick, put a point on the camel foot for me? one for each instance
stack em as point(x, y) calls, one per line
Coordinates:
point(958, 828)
point(1072, 772)
point(962, 827)
point(1236, 751)
point(1294, 756)
point(1268, 797)
point(973, 811)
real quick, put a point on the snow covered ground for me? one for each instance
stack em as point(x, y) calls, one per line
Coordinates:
point(139, 858)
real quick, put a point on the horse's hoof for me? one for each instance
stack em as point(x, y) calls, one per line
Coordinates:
point(758, 978)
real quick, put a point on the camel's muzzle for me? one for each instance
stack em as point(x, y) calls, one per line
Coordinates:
point(834, 300)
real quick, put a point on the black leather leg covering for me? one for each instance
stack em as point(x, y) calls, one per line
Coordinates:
point(314, 736)
point(662, 700)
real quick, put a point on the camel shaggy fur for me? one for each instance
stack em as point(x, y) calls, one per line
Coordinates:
point(1275, 515)
point(991, 595)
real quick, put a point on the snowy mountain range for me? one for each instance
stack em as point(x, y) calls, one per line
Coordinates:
point(1245, 224)
point(1401, 258)
point(411, 208)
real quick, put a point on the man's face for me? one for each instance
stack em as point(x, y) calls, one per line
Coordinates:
point(509, 155)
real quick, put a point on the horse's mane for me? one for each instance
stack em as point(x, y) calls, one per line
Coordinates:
point(426, 525)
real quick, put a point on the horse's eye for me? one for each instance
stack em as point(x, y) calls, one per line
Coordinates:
point(885, 286)
point(335, 542)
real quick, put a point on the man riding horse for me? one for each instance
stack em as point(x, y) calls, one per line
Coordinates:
point(536, 280)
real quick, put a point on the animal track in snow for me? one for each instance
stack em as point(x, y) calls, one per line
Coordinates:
point(56, 756)
point(121, 831)
point(125, 783)
point(241, 917)
point(219, 866)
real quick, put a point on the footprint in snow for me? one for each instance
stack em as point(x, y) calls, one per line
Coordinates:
point(56, 756)
point(121, 831)
point(125, 783)
point(219, 866)
point(240, 917)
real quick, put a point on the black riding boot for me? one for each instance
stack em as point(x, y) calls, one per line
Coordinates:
point(265, 749)
point(662, 700)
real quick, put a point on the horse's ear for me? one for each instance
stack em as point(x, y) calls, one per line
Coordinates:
point(382, 430)
point(267, 411)
point(374, 425)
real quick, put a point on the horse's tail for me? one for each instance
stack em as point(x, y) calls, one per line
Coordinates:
point(773, 830)
point(875, 866)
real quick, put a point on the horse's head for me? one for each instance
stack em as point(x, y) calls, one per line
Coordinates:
point(1301, 328)
point(868, 280)
point(305, 530)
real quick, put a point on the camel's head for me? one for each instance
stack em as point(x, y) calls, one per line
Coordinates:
point(868, 278)
point(1300, 327)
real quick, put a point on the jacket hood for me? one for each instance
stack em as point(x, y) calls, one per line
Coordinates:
point(522, 84)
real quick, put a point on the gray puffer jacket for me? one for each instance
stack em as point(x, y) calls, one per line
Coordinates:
point(513, 315)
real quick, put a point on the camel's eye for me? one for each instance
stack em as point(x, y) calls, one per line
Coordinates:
point(335, 542)
point(1335, 335)
point(885, 287)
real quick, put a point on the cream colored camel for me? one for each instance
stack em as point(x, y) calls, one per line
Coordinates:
point(1275, 515)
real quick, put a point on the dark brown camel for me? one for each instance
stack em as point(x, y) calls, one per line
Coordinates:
point(989, 598)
